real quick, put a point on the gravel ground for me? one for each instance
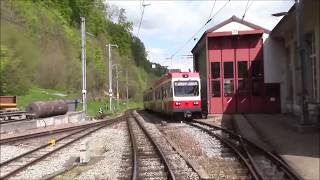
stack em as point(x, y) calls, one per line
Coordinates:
point(208, 152)
point(49, 165)
point(109, 166)
point(175, 160)
point(9, 151)
point(57, 161)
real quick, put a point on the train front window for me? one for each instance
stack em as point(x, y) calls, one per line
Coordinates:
point(186, 88)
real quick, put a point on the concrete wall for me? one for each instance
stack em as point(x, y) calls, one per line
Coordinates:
point(43, 122)
point(291, 80)
point(274, 64)
point(274, 58)
point(62, 119)
point(203, 76)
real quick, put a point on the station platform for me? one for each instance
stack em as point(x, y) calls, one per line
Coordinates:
point(279, 133)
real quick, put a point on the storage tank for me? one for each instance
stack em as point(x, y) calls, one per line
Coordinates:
point(42, 109)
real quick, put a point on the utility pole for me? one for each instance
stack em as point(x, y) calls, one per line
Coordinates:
point(127, 88)
point(83, 58)
point(110, 75)
point(117, 87)
point(117, 84)
point(301, 55)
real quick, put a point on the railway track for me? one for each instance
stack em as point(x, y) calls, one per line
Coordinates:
point(48, 133)
point(234, 156)
point(11, 167)
point(14, 116)
point(148, 160)
point(261, 164)
point(149, 156)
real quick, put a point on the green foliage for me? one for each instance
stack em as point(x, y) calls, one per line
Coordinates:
point(40, 46)
point(40, 94)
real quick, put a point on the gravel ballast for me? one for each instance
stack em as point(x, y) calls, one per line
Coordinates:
point(106, 168)
point(10, 151)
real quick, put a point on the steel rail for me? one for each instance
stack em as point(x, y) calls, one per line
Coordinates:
point(134, 152)
point(13, 120)
point(271, 155)
point(253, 163)
point(11, 173)
point(233, 147)
point(11, 112)
point(45, 133)
point(170, 173)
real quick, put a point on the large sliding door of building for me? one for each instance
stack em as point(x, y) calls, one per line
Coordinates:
point(215, 77)
point(242, 75)
point(256, 73)
point(228, 83)
point(236, 74)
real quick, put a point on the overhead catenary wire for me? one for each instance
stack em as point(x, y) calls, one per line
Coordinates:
point(214, 3)
point(245, 12)
point(209, 19)
point(142, 13)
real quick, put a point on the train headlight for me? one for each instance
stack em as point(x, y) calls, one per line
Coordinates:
point(178, 103)
point(195, 103)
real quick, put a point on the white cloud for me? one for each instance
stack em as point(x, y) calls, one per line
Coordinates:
point(167, 25)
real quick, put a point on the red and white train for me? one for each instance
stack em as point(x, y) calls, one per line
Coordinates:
point(177, 93)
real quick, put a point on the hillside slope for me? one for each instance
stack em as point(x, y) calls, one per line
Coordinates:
point(40, 47)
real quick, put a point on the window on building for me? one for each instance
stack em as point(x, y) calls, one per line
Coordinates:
point(256, 88)
point(256, 68)
point(242, 88)
point(228, 87)
point(215, 86)
point(215, 70)
point(242, 69)
point(228, 69)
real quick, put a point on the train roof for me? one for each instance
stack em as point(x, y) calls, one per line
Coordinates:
point(171, 75)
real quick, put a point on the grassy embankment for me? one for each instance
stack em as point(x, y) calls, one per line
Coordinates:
point(39, 94)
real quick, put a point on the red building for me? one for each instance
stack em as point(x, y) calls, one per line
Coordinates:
point(230, 60)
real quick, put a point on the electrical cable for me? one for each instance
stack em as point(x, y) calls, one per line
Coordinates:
point(212, 9)
point(199, 29)
point(142, 13)
point(245, 12)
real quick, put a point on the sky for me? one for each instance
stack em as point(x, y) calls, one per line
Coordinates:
point(170, 27)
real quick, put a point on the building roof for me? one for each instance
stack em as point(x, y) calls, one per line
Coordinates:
point(238, 20)
point(285, 18)
point(232, 19)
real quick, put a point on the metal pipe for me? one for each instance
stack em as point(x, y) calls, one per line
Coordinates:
point(110, 78)
point(110, 74)
point(301, 56)
point(127, 88)
point(117, 86)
